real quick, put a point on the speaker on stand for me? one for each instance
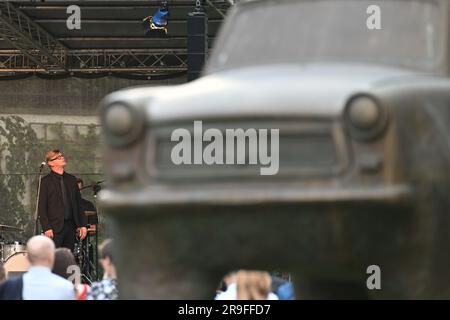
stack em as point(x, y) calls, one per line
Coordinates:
point(197, 41)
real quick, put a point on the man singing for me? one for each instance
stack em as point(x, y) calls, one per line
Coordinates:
point(60, 204)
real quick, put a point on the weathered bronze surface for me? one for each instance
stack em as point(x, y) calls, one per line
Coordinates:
point(364, 157)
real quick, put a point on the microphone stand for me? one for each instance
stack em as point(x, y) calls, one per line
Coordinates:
point(36, 215)
point(96, 232)
point(93, 185)
point(95, 263)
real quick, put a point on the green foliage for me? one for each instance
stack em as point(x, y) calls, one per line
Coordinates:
point(19, 147)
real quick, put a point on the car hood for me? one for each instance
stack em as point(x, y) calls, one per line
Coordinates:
point(282, 90)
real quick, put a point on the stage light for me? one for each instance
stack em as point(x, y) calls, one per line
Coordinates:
point(158, 21)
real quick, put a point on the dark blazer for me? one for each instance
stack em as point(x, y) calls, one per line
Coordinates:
point(51, 207)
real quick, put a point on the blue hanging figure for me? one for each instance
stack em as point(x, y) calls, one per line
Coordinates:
point(158, 22)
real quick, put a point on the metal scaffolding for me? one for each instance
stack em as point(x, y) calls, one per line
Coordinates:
point(30, 39)
point(221, 8)
point(32, 49)
point(105, 60)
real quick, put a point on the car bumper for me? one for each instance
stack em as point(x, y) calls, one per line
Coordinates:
point(168, 197)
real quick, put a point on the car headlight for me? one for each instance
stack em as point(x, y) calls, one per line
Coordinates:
point(364, 117)
point(122, 123)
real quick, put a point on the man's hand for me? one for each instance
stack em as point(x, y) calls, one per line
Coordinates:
point(82, 232)
point(49, 233)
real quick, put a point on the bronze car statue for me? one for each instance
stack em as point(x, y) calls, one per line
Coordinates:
point(317, 142)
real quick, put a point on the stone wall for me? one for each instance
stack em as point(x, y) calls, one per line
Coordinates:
point(37, 115)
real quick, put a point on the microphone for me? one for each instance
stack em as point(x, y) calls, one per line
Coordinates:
point(43, 164)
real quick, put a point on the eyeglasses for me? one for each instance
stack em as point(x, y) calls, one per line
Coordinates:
point(57, 158)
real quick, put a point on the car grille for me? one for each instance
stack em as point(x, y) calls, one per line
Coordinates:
point(305, 150)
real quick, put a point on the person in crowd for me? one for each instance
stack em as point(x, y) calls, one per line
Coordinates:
point(38, 283)
point(247, 285)
point(229, 287)
point(65, 266)
point(254, 285)
point(282, 288)
point(59, 206)
point(221, 287)
point(64, 259)
point(107, 288)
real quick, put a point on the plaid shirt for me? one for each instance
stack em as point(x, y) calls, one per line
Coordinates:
point(103, 290)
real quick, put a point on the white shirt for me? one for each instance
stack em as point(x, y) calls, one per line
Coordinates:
point(231, 294)
point(39, 283)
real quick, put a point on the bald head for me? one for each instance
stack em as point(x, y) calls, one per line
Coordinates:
point(41, 251)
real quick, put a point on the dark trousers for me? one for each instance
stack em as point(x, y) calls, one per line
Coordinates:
point(66, 238)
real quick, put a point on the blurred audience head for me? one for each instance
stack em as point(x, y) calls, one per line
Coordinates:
point(107, 259)
point(63, 260)
point(253, 285)
point(283, 288)
point(286, 291)
point(41, 251)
